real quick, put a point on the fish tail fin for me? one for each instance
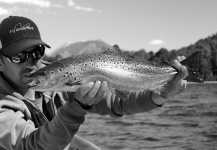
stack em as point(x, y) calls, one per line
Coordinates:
point(192, 65)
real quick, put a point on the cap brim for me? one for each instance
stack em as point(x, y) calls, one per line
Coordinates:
point(17, 47)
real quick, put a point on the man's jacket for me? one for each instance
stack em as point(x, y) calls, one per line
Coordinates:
point(24, 126)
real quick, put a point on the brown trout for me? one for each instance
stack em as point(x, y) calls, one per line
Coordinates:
point(121, 73)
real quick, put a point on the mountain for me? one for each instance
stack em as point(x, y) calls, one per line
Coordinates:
point(78, 48)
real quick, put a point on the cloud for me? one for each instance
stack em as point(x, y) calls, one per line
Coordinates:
point(57, 5)
point(40, 3)
point(71, 3)
point(77, 7)
point(156, 42)
point(84, 8)
point(39, 6)
point(3, 11)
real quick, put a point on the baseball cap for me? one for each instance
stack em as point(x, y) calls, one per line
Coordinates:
point(17, 34)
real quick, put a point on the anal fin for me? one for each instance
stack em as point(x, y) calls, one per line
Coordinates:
point(161, 91)
point(122, 94)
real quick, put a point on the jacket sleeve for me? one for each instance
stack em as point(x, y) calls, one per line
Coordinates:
point(112, 105)
point(17, 132)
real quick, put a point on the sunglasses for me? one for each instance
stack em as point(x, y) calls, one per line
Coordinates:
point(37, 53)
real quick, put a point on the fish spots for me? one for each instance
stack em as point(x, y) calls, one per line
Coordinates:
point(73, 72)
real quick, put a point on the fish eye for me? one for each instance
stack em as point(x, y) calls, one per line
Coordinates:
point(42, 73)
point(37, 82)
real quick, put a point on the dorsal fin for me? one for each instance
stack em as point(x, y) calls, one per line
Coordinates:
point(114, 50)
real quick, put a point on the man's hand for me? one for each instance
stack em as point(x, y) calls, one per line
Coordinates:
point(174, 86)
point(177, 85)
point(91, 93)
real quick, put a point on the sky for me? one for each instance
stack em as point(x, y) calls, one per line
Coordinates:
point(132, 24)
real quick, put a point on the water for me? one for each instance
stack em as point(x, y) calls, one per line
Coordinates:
point(187, 122)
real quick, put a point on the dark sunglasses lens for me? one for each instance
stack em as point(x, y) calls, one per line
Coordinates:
point(39, 52)
point(22, 57)
point(15, 59)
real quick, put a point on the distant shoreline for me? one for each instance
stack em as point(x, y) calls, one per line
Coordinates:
point(205, 82)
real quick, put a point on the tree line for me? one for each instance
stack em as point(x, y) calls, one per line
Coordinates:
point(208, 60)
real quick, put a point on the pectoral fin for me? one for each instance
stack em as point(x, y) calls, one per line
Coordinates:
point(68, 83)
point(69, 87)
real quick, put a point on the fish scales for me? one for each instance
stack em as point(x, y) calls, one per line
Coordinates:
point(115, 70)
point(121, 73)
point(91, 70)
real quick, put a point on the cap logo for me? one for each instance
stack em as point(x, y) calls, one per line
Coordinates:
point(19, 27)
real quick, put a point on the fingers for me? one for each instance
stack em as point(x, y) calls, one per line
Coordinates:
point(101, 92)
point(91, 93)
point(178, 84)
point(96, 93)
point(183, 86)
point(183, 73)
point(83, 90)
point(180, 58)
point(182, 70)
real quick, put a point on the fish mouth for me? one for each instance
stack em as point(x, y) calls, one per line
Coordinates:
point(31, 86)
point(27, 72)
point(32, 83)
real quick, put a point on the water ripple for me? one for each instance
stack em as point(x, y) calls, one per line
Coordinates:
point(186, 122)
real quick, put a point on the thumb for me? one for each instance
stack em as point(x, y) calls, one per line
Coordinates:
point(182, 74)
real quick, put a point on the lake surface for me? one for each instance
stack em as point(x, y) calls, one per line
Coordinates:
point(186, 122)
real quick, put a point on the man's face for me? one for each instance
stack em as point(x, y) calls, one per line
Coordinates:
point(17, 74)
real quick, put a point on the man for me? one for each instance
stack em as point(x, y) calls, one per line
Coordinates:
point(46, 121)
